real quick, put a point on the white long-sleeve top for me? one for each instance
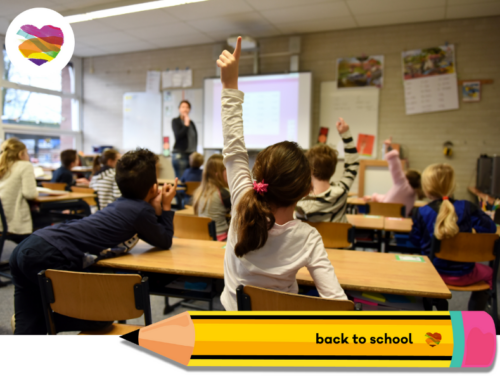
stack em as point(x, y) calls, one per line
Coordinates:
point(289, 247)
point(16, 187)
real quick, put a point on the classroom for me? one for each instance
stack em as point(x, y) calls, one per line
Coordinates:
point(246, 155)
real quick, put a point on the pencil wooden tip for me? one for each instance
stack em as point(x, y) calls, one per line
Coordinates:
point(132, 337)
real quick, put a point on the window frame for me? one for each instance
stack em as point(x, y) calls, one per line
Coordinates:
point(30, 129)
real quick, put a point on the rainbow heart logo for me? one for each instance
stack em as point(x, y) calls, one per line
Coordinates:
point(40, 45)
point(433, 339)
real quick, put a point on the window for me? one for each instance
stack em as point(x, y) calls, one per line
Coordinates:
point(44, 149)
point(42, 111)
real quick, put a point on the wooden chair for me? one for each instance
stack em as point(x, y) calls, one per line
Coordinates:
point(3, 237)
point(191, 187)
point(95, 297)
point(54, 185)
point(87, 190)
point(194, 227)
point(467, 248)
point(389, 210)
point(335, 235)
point(252, 298)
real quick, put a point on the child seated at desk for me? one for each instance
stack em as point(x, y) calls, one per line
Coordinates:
point(142, 210)
point(103, 177)
point(327, 201)
point(406, 186)
point(17, 186)
point(266, 246)
point(445, 217)
point(193, 173)
point(212, 198)
point(69, 159)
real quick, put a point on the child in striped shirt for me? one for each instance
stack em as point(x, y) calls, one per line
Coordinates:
point(103, 179)
point(327, 201)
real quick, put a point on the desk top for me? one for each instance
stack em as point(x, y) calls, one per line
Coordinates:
point(361, 202)
point(356, 270)
point(370, 222)
point(403, 225)
point(42, 198)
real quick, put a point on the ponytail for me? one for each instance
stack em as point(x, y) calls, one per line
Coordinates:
point(254, 220)
point(96, 165)
point(446, 222)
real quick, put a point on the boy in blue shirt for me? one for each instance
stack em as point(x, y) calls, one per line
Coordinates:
point(69, 159)
point(143, 209)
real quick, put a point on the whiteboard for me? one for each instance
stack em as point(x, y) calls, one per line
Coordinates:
point(142, 121)
point(358, 107)
point(171, 100)
point(378, 180)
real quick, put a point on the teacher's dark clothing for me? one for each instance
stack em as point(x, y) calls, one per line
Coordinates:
point(186, 138)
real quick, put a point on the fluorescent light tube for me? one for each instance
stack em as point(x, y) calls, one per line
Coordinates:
point(127, 9)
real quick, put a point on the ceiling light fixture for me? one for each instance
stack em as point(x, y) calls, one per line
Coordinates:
point(127, 9)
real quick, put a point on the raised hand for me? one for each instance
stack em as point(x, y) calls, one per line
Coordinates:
point(228, 64)
point(186, 120)
point(167, 194)
point(388, 142)
point(342, 126)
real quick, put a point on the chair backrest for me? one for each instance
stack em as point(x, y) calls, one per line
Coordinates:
point(466, 247)
point(54, 185)
point(194, 227)
point(389, 210)
point(5, 228)
point(335, 235)
point(86, 190)
point(191, 187)
point(260, 299)
point(94, 296)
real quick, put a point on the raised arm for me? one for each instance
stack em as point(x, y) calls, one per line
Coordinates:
point(351, 163)
point(395, 168)
point(235, 153)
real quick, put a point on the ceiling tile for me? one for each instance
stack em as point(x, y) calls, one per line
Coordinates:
point(473, 10)
point(359, 7)
point(194, 39)
point(263, 5)
point(82, 50)
point(317, 25)
point(307, 12)
point(126, 47)
point(252, 20)
point(167, 30)
point(107, 39)
point(9, 9)
point(139, 19)
point(212, 8)
point(90, 28)
point(4, 24)
point(388, 18)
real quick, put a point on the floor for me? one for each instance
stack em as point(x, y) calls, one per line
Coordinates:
point(458, 302)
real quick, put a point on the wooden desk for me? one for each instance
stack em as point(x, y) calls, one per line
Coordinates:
point(361, 202)
point(366, 222)
point(402, 225)
point(356, 270)
point(63, 197)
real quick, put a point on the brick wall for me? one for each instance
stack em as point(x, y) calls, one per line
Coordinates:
point(473, 129)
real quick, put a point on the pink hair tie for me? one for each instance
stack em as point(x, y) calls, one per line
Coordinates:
point(260, 187)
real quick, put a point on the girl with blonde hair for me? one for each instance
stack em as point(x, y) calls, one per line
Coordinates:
point(212, 198)
point(445, 217)
point(17, 186)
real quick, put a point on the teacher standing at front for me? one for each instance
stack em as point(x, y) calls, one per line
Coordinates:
point(186, 139)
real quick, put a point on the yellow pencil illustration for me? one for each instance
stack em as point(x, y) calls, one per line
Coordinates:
point(323, 339)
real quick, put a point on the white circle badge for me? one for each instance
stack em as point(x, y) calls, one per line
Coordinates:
point(41, 40)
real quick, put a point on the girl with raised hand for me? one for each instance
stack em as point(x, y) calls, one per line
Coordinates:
point(266, 246)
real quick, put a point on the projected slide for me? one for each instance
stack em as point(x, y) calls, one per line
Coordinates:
point(276, 108)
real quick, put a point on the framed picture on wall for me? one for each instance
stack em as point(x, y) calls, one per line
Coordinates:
point(471, 91)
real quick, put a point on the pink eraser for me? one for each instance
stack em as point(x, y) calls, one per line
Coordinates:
point(480, 339)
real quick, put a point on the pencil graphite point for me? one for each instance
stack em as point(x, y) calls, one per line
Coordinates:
point(132, 337)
